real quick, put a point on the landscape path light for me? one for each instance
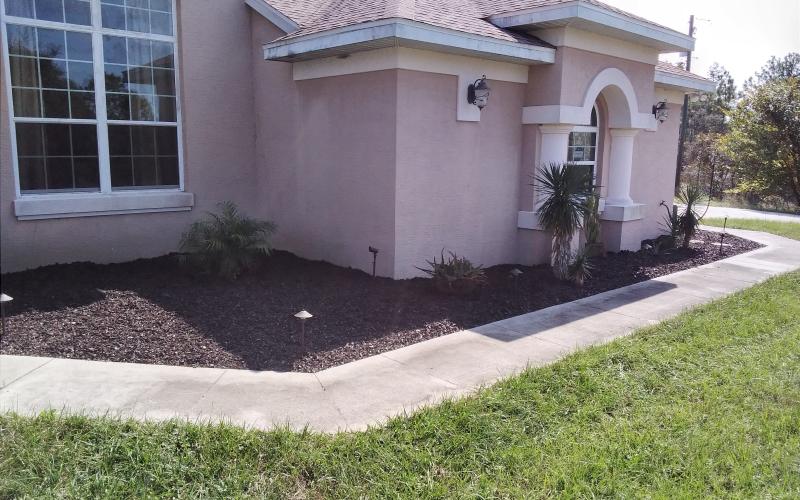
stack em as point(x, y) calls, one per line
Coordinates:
point(3, 300)
point(303, 316)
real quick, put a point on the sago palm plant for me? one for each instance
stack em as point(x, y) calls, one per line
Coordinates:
point(226, 243)
point(565, 191)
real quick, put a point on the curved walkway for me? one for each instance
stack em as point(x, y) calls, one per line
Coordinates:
point(365, 392)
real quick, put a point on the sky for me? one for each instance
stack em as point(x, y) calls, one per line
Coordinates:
point(738, 34)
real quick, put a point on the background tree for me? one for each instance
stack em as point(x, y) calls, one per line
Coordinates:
point(777, 68)
point(764, 137)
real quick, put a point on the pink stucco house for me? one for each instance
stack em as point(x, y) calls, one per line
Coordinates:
point(347, 122)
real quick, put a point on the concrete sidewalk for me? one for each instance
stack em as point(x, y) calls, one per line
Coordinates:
point(365, 392)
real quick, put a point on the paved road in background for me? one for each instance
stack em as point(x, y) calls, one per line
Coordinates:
point(743, 213)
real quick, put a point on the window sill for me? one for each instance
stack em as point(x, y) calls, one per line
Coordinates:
point(62, 206)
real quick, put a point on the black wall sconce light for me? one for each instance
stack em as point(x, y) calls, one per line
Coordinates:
point(478, 93)
point(661, 112)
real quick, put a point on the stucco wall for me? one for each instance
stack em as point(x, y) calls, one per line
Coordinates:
point(326, 160)
point(457, 182)
point(219, 143)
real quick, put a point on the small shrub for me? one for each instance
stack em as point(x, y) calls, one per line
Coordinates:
point(581, 268)
point(688, 221)
point(455, 275)
point(228, 243)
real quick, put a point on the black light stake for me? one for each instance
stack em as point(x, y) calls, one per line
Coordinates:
point(722, 236)
point(374, 251)
point(303, 316)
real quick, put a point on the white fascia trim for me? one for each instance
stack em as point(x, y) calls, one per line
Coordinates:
point(404, 29)
point(62, 206)
point(273, 15)
point(671, 80)
point(594, 14)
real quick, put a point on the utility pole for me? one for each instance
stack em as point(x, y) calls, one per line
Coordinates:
point(684, 114)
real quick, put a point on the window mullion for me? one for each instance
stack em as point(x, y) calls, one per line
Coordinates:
point(104, 158)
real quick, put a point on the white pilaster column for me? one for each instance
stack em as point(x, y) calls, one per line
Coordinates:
point(621, 159)
point(553, 149)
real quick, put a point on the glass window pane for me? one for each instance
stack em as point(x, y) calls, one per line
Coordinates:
point(138, 20)
point(55, 103)
point(167, 141)
point(119, 140)
point(79, 46)
point(24, 72)
point(31, 174)
point(143, 141)
point(163, 55)
point(82, 105)
point(140, 80)
point(81, 76)
point(84, 140)
point(29, 139)
point(162, 5)
point(121, 171)
point(52, 44)
point(59, 173)
point(56, 139)
point(166, 109)
point(26, 103)
point(21, 8)
point(143, 107)
point(54, 73)
point(168, 170)
point(160, 23)
point(144, 171)
point(116, 78)
point(78, 12)
point(594, 117)
point(139, 52)
point(50, 10)
point(21, 40)
point(118, 106)
point(164, 81)
point(87, 173)
point(113, 16)
point(114, 50)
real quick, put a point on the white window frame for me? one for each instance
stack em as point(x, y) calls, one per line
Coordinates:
point(596, 131)
point(106, 195)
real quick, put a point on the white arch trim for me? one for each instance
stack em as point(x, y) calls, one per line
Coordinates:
point(623, 107)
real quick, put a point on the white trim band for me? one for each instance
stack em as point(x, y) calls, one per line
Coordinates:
point(600, 20)
point(672, 81)
point(396, 31)
point(54, 206)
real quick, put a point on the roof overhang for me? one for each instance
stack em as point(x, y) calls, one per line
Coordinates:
point(396, 32)
point(683, 83)
point(273, 15)
point(589, 17)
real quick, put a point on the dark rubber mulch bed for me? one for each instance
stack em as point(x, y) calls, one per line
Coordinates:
point(153, 311)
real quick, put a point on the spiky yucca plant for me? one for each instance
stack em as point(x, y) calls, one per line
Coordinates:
point(581, 268)
point(454, 274)
point(227, 243)
point(565, 191)
point(691, 196)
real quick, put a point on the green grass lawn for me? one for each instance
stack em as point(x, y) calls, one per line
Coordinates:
point(787, 229)
point(707, 404)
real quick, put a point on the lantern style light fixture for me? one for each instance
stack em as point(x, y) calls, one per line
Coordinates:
point(661, 112)
point(478, 93)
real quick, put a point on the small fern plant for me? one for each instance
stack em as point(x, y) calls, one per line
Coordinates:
point(226, 243)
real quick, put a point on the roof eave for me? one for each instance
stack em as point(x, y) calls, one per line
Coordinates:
point(683, 83)
point(593, 18)
point(273, 15)
point(403, 32)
